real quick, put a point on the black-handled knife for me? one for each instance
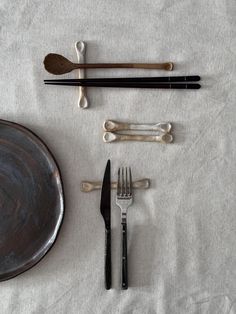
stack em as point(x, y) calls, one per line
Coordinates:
point(105, 208)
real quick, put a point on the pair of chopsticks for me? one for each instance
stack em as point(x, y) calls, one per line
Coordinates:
point(167, 82)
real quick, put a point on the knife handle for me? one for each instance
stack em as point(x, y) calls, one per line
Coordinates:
point(107, 259)
point(124, 256)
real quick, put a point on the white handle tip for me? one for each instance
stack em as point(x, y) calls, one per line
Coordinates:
point(167, 138)
point(80, 46)
point(109, 137)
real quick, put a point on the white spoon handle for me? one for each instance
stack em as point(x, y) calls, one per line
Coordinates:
point(112, 126)
point(110, 137)
point(80, 51)
point(88, 186)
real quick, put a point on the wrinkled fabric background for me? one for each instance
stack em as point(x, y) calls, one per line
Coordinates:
point(182, 232)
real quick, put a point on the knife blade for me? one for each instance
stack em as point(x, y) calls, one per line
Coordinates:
point(105, 208)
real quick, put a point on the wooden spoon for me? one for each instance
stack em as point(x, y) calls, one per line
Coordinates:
point(57, 64)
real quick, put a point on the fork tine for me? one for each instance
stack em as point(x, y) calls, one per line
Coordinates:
point(118, 184)
point(126, 181)
point(122, 181)
point(130, 182)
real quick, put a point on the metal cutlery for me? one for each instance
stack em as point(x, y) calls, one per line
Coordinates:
point(88, 186)
point(110, 137)
point(113, 126)
point(105, 208)
point(124, 199)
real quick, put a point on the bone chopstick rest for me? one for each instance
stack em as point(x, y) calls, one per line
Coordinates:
point(80, 51)
point(113, 126)
point(110, 137)
point(88, 186)
point(162, 128)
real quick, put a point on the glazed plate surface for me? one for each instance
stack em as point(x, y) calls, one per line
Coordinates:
point(31, 199)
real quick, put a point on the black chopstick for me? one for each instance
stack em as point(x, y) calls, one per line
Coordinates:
point(129, 84)
point(165, 79)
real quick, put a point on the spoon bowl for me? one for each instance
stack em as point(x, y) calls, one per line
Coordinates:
point(57, 64)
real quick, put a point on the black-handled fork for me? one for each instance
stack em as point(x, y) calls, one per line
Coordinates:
point(124, 199)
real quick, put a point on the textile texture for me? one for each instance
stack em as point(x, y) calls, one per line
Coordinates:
point(182, 231)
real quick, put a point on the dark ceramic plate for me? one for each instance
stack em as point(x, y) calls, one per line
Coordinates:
point(31, 199)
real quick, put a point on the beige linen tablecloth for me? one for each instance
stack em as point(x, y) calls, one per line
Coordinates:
point(182, 232)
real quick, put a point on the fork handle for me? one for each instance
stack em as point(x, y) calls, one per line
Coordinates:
point(124, 255)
